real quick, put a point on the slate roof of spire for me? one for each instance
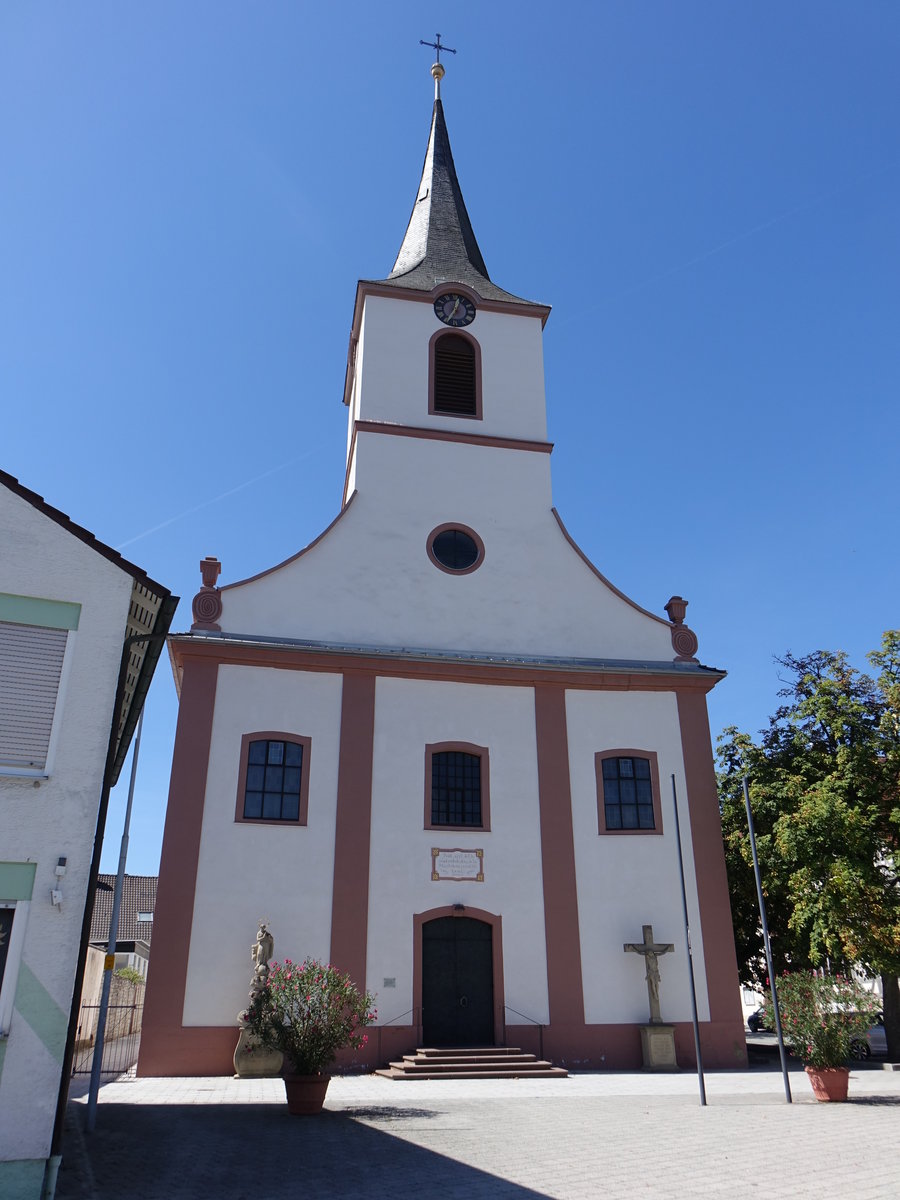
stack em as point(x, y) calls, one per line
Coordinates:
point(439, 245)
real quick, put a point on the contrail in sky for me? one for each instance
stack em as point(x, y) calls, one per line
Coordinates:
point(214, 500)
point(733, 241)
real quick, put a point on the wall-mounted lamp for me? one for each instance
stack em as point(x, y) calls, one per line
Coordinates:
point(59, 870)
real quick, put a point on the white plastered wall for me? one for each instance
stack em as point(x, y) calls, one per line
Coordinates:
point(626, 881)
point(409, 715)
point(533, 594)
point(392, 370)
point(248, 871)
point(44, 820)
point(353, 414)
point(371, 581)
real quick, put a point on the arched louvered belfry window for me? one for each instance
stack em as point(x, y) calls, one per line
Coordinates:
point(455, 376)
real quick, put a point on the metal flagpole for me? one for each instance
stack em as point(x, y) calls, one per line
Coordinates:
point(767, 944)
point(687, 937)
point(97, 1061)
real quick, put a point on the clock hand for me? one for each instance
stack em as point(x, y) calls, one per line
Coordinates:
point(455, 307)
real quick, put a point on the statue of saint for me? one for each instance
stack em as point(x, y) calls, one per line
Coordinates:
point(261, 953)
point(262, 949)
point(251, 1060)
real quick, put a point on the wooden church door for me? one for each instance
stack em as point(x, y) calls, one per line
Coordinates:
point(457, 982)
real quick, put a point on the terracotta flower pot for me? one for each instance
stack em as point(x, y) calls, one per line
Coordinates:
point(829, 1083)
point(305, 1093)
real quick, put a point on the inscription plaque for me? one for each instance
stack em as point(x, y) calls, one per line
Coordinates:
point(459, 866)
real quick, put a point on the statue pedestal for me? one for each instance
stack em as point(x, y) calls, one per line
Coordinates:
point(658, 1047)
point(251, 1061)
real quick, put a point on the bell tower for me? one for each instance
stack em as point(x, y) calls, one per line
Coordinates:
point(438, 351)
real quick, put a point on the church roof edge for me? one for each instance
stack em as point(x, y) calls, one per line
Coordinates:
point(463, 657)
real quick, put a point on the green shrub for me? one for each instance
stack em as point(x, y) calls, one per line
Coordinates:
point(821, 1016)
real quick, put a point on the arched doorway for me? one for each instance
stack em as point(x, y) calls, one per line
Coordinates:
point(457, 982)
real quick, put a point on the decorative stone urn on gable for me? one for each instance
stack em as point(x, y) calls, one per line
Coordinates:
point(684, 640)
point(206, 606)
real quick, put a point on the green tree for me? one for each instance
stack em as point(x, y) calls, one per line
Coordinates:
point(131, 975)
point(825, 791)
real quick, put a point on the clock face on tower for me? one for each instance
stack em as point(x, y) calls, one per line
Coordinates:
point(454, 309)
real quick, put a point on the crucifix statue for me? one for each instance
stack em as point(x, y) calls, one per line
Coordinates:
point(651, 951)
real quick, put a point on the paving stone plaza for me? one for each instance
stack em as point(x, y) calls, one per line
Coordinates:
point(591, 1135)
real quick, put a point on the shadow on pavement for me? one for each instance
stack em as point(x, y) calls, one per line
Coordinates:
point(384, 1112)
point(257, 1152)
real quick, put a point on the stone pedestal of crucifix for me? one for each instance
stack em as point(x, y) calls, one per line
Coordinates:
point(251, 1060)
point(657, 1038)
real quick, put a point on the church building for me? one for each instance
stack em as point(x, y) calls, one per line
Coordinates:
point(437, 747)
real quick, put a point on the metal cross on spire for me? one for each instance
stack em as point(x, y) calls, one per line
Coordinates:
point(437, 46)
point(437, 70)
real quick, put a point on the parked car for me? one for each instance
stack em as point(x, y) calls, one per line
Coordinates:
point(755, 1022)
point(875, 1041)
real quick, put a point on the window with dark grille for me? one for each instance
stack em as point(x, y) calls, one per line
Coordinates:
point(273, 781)
point(455, 389)
point(628, 793)
point(455, 788)
point(454, 549)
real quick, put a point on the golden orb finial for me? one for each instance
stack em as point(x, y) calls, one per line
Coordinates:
point(437, 70)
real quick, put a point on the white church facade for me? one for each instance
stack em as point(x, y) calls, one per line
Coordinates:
point(436, 746)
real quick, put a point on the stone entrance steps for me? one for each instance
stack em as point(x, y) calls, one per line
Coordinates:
point(476, 1062)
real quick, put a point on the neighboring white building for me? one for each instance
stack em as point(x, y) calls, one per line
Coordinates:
point(436, 746)
point(67, 712)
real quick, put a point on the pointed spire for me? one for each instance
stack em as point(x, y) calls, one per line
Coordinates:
point(440, 232)
point(439, 245)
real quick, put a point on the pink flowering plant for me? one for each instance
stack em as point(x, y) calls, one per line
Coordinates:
point(309, 1012)
point(820, 1017)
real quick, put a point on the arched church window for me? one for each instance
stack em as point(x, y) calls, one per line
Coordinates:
point(454, 376)
point(273, 778)
point(457, 793)
point(628, 791)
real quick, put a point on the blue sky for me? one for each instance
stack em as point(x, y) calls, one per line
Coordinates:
point(707, 194)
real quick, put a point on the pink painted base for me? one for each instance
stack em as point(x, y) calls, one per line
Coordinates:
point(208, 1051)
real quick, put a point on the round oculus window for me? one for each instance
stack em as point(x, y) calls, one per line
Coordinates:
point(455, 549)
